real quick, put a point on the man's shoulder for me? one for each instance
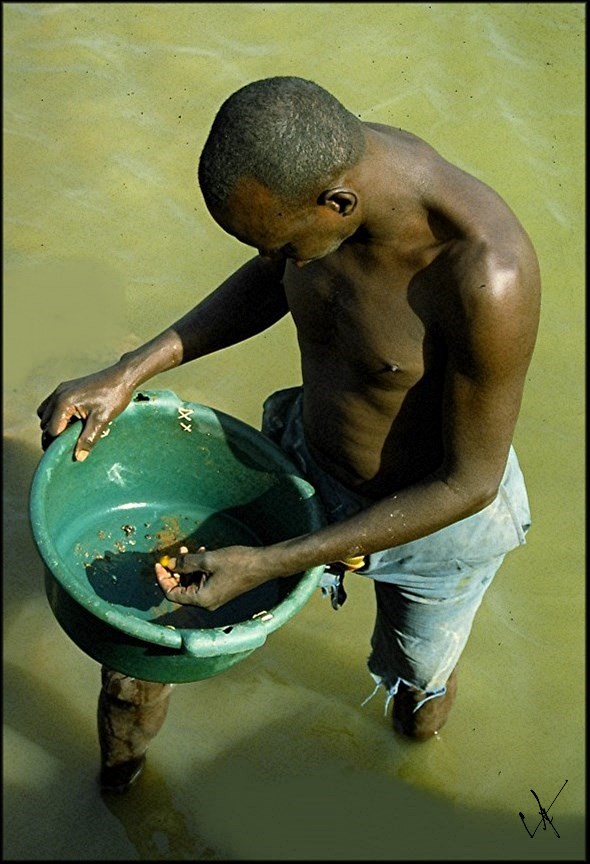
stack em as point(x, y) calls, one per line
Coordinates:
point(402, 138)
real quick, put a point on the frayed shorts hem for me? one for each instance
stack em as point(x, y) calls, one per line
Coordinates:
point(392, 689)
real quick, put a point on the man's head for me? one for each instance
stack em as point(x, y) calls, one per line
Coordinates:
point(280, 141)
point(286, 132)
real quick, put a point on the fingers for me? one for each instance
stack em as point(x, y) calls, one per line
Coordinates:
point(166, 580)
point(87, 438)
point(45, 409)
point(82, 448)
point(53, 422)
point(171, 565)
point(170, 582)
point(52, 425)
point(174, 591)
point(187, 563)
point(51, 431)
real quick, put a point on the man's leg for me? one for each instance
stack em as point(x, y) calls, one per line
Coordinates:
point(428, 592)
point(130, 713)
point(421, 629)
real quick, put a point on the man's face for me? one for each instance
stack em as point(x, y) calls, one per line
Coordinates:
point(256, 216)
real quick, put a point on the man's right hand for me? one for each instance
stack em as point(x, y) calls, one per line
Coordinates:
point(95, 399)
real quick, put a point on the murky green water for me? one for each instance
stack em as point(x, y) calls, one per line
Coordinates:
point(107, 241)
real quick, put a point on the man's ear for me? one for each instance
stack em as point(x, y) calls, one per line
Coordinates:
point(340, 199)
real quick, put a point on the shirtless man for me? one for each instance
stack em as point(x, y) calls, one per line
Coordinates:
point(415, 293)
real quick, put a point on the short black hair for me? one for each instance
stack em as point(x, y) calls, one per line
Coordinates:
point(286, 132)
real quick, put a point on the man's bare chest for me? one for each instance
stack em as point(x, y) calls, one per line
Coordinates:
point(367, 320)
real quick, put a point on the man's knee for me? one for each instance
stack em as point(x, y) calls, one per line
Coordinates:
point(133, 691)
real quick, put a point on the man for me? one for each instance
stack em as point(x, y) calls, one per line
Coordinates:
point(415, 294)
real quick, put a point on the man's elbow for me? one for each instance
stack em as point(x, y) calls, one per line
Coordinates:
point(481, 496)
point(488, 496)
point(472, 496)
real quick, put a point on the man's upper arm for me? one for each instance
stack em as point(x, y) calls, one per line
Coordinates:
point(490, 337)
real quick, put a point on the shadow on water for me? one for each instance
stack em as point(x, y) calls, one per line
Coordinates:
point(247, 805)
point(19, 554)
point(156, 827)
point(336, 812)
point(69, 796)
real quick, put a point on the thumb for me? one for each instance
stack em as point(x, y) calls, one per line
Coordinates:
point(91, 432)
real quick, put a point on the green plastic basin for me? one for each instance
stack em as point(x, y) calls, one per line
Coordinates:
point(167, 473)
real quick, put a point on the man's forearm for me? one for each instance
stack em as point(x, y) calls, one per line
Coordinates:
point(408, 515)
point(248, 302)
point(251, 300)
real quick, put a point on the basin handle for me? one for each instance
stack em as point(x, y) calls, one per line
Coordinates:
point(213, 642)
